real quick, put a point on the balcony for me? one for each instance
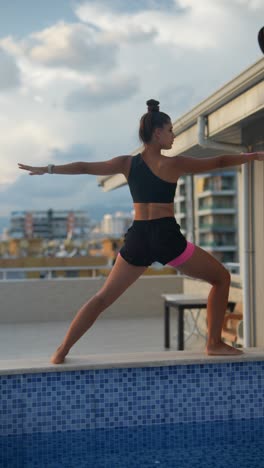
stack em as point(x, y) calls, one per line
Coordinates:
point(214, 191)
point(216, 208)
point(217, 227)
point(217, 246)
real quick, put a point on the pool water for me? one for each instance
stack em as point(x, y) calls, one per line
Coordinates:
point(207, 445)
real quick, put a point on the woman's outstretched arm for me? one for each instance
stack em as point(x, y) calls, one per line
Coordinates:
point(115, 165)
point(190, 165)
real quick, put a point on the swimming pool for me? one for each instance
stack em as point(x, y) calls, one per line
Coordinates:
point(205, 445)
point(141, 408)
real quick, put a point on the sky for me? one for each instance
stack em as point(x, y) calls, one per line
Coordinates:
point(75, 77)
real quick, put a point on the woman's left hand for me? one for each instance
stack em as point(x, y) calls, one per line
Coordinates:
point(34, 170)
point(256, 156)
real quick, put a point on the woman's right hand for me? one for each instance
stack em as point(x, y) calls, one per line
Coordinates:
point(34, 170)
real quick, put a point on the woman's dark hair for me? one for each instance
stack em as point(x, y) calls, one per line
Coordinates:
point(151, 120)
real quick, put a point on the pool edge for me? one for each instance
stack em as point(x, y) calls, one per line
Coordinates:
point(117, 360)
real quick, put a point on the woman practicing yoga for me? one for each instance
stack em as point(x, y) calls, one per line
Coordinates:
point(154, 235)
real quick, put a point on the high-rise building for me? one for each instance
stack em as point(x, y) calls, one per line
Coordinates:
point(49, 224)
point(206, 207)
point(116, 224)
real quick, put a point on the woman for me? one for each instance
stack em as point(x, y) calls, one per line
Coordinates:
point(154, 234)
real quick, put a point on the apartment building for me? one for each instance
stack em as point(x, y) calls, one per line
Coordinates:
point(49, 224)
point(206, 207)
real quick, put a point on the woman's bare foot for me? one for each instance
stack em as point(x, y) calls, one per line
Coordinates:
point(222, 348)
point(58, 356)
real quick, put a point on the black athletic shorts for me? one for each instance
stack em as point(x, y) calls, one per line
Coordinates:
point(155, 240)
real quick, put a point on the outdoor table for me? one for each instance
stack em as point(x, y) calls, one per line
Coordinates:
point(181, 302)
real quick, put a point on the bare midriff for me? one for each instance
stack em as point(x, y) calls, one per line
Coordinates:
point(147, 211)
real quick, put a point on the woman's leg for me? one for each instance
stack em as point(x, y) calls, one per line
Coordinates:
point(121, 277)
point(204, 266)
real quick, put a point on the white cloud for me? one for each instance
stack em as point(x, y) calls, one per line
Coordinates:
point(11, 46)
point(192, 25)
point(249, 4)
point(10, 74)
point(38, 99)
point(24, 141)
point(162, 26)
point(115, 25)
point(75, 46)
point(101, 93)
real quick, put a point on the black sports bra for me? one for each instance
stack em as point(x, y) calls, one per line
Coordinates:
point(146, 187)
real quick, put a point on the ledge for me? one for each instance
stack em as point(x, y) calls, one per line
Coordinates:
point(113, 361)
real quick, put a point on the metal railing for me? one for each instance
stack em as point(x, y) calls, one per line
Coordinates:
point(47, 272)
point(233, 267)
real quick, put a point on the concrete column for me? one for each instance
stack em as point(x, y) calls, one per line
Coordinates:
point(253, 136)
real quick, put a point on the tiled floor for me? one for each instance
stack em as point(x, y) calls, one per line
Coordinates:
point(107, 335)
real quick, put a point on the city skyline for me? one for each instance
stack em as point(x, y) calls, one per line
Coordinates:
point(96, 216)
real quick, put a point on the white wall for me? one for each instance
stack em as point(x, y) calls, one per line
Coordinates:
point(55, 300)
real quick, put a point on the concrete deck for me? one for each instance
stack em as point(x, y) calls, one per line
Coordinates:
point(107, 335)
point(110, 343)
point(37, 341)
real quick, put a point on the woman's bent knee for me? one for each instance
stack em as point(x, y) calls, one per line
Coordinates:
point(223, 277)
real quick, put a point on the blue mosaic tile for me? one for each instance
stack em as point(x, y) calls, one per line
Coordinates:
point(58, 402)
point(135, 397)
point(111, 398)
point(11, 403)
point(247, 390)
point(198, 393)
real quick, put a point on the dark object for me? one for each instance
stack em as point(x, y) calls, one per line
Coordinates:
point(261, 39)
point(181, 302)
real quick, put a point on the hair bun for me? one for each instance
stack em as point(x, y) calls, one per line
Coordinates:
point(153, 106)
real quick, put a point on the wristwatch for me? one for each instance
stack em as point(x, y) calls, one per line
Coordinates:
point(50, 168)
